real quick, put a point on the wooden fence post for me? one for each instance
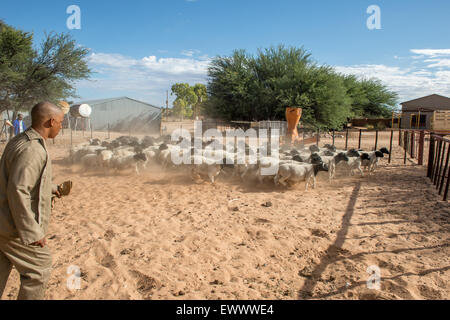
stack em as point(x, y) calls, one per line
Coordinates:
point(413, 139)
point(333, 137)
point(438, 158)
point(405, 145)
point(390, 146)
point(346, 140)
point(440, 165)
point(359, 141)
point(445, 171)
point(376, 139)
point(421, 146)
point(430, 157)
point(446, 189)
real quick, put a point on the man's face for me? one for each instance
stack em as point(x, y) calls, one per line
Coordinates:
point(20, 117)
point(56, 125)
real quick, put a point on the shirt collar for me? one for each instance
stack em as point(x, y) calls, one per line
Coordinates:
point(33, 134)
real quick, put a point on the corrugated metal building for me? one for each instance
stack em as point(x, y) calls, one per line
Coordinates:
point(427, 106)
point(122, 114)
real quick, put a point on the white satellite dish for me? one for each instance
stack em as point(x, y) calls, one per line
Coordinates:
point(80, 111)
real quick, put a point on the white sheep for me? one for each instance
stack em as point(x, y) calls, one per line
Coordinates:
point(202, 166)
point(104, 157)
point(126, 162)
point(90, 161)
point(78, 152)
point(123, 151)
point(372, 163)
point(355, 159)
point(332, 161)
point(298, 172)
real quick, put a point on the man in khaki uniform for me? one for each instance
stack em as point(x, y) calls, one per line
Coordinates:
point(25, 203)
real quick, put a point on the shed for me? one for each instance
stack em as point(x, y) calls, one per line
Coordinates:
point(430, 108)
point(123, 114)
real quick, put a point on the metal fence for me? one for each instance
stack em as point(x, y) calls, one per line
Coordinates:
point(418, 143)
point(438, 170)
point(413, 143)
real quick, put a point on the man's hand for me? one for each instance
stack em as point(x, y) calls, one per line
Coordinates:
point(41, 243)
point(57, 193)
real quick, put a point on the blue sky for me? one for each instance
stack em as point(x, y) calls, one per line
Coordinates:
point(139, 48)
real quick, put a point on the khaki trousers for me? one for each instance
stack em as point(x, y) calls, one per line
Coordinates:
point(33, 264)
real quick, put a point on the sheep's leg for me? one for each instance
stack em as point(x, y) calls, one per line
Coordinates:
point(333, 175)
point(260, 177)
point(211, 177)
point(244, 173)
point(137, 169)
point(362, 174)
point(307, 182)
point(374, 166)
point(370, 170)
point(283, 180)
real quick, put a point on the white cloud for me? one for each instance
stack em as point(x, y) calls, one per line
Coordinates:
point(438, 63)
point(410, 82)
point(190, 53)
point(147, 78)
point(432, 52)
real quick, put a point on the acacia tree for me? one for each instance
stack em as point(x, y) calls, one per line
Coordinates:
point(28, 76)
point(370, 98)
point(253, 88)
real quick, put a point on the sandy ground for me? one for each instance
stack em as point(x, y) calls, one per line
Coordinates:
point(162, 236)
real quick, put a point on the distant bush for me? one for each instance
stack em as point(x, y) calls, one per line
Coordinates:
point(380, 126)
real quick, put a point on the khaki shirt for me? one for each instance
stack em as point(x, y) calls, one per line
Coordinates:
point(25, 188)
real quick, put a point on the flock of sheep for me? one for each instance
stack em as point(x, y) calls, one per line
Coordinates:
point(293, 164)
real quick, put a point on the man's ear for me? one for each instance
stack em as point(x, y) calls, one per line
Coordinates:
point(49, 123)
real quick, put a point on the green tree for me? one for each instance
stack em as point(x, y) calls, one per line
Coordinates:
point(28, 76)
point(244, 87)
point(189, 99)
point(380, 101)
point(370, 98)
point(202, 96)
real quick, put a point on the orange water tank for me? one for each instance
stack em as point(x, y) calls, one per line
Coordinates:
point(293, 115)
